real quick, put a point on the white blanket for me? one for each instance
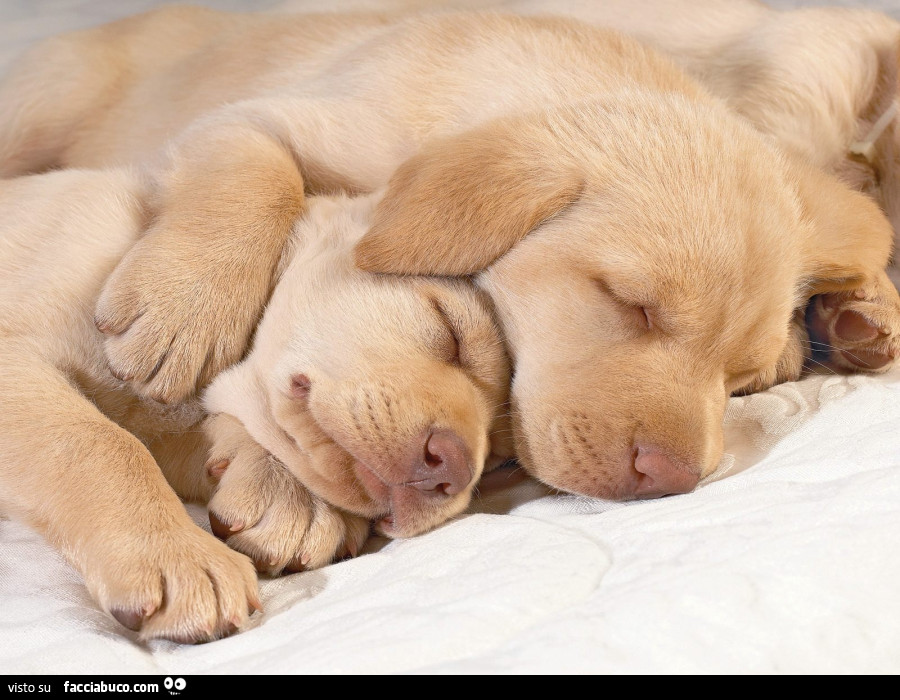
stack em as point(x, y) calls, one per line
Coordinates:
point(787, 560)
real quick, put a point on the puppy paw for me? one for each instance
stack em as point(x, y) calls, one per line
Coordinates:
point(179, 584)
point(174, 315)
point(259, 508)
point(857, 330)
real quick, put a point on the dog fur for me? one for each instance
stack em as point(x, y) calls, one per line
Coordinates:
point(817, 79)
point(98, 470)
point(648, 252)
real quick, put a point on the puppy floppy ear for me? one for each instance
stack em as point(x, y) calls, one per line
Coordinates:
point(463, 202)
point(851, 238)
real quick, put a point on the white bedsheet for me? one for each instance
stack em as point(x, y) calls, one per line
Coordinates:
point(786, 561)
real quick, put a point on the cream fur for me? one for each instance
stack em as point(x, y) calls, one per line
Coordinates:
point(652, 250)
point(98, 469)
point(814, 78)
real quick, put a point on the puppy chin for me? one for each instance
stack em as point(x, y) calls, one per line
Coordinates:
point(411, 515)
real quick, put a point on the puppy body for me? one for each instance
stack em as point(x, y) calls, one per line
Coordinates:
point(667, 244)
point(98, 469)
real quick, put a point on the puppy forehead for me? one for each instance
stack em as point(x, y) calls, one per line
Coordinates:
point(676, 246)
point(724, 279)
point(383, 318)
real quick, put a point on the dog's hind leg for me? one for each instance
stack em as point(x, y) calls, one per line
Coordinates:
point(96, 493)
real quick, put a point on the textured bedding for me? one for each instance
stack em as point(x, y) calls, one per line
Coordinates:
point(786, 560)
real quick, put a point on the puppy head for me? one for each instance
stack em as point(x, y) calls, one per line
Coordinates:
point(667, 249)
point(385, 396)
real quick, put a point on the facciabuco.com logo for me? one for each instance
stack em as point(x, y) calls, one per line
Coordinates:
point(104, 687)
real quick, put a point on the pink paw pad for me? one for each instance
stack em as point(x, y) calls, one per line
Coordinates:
point(853, 326)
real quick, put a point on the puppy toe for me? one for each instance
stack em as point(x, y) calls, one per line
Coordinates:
point(208, 596)
point(132, 619)
point(223, 530)
point(854, 331)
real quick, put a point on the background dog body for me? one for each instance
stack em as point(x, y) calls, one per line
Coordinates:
point(510, 123)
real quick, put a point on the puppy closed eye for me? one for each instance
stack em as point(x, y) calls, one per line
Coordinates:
point(637, 315)
point(452, 347)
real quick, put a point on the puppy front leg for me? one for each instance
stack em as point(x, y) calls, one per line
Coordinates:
point(94, 491)
point(790, 364)
point(182, 304)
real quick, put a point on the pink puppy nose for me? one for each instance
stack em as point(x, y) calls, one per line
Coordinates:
point(660, 475)
point(443, 466)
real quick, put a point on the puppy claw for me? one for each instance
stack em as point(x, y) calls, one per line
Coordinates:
point(216, 469)
point(221, 529)
point(131, 619)
point(103, 326)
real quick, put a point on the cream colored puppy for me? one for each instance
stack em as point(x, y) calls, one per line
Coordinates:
point(383, 396)
point(378, 394)
point(647, 250)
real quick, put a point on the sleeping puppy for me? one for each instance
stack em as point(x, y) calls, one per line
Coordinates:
point(380, 401)
point(631, 318)
point(649, 253)
point(384, 399)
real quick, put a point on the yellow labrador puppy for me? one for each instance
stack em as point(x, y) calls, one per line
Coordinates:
point(648, 251)
point(384, 397)
point(371, 398)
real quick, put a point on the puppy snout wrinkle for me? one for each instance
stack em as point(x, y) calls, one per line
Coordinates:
point(660, 474)
point(442, 466)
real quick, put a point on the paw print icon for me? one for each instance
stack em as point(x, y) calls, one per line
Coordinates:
point(174, 685)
